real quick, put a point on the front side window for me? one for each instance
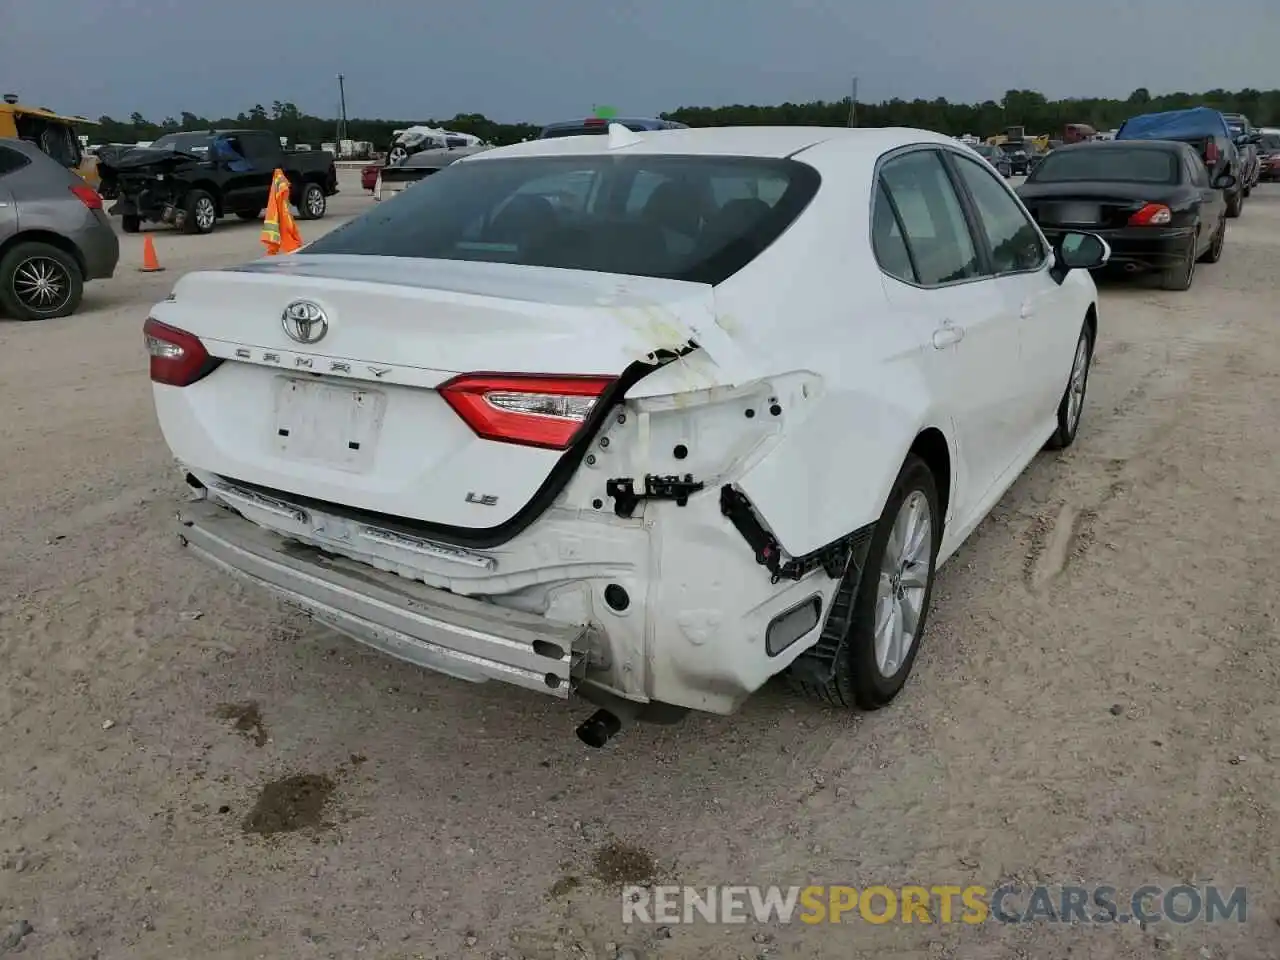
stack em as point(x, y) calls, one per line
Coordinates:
point(936, 231)
point(1014, 240)
point(697, 218)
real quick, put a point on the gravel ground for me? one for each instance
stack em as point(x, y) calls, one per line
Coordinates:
point(192, 772)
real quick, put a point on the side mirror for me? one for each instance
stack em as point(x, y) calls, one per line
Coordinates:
point(1224, 181)
point(1079, 251)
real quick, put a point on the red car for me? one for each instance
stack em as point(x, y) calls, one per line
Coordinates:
point(1269, 155)
point(369, 176)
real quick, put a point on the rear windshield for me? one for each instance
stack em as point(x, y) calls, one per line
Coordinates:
point(684, 218)
point(1108, 163)
point(1013, 147)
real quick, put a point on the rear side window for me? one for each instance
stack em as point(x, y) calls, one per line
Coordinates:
point(1014, 240)
point(684, 218)
point(11, 160)
point(887, 241)
point(937, 233)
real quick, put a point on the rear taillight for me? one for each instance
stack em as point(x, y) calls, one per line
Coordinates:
point(88, 196)
point(534, 411)
point(595, 122)
point(1152, 215)
point(178, 358)
point(1211, 153)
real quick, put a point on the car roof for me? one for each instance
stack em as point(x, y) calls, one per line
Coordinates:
point(748, 141)
point(41, 164)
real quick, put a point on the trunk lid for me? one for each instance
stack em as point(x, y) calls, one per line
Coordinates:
point(354, 417)
point(1091, 205)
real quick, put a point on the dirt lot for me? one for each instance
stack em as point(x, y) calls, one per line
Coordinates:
point(191, 772)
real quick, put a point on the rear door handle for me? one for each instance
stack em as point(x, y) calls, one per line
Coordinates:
point(947, 335)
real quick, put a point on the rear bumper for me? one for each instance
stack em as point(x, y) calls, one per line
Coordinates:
point(535, 612)
point(435, 629)
point(1141, 248)
point(100, 247)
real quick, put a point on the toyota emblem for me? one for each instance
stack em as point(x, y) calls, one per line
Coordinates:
point(305, 322)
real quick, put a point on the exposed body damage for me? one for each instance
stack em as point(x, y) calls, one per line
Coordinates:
point(696, 407)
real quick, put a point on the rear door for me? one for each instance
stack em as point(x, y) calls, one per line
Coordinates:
point(252, 185)
point(10, 160)
point(1020, 263)
point(935, 279)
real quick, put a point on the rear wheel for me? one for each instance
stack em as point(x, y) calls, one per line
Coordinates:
point(130, 223)
point(1181, 277)
point(887, 607)
point(1235, 204)
point(39, 282)
point(201, 213)
point(311, 203)
point(1214, 253)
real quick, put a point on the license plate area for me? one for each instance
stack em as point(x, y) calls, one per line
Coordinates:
point(318, 422)
point(1077, 214)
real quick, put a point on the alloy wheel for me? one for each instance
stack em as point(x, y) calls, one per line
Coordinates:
point(41, 284)
point(903, 583)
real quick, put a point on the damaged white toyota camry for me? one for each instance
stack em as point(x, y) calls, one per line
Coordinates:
point(644, 419)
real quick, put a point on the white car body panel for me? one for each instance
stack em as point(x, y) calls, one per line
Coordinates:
point(815, 374)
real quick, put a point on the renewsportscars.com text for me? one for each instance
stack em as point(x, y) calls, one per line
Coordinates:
point(942, 904)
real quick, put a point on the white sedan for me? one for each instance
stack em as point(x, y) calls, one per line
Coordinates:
point(644, 419)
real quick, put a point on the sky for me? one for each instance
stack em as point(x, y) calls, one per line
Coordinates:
point(543, 60)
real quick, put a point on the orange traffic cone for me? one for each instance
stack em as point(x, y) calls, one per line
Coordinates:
point(150, 263)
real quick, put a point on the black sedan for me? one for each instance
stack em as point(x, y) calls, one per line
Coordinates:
point(1151, 200)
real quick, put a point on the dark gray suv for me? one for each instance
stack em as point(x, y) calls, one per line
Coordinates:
point(54, 235)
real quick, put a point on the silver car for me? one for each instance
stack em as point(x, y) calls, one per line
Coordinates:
point(54, 235)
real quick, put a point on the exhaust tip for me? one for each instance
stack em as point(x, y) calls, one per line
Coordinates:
point(598, 729)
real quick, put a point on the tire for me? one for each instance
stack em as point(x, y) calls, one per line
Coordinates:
point(859, 681)
point(1071, 407)
point(130, 223)
point(311, 202)
point(1214, 253)
point(1248, 191)
point(247, 214)
point(200, 212)
point(39, 282)
point(1235, 204)
point(1181, 277)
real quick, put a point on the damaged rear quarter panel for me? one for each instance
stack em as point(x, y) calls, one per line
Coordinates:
point(815, 301)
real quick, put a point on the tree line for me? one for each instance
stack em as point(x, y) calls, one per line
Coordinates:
point(1027, 108)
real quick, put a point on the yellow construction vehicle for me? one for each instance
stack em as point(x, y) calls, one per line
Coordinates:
point(54, 133)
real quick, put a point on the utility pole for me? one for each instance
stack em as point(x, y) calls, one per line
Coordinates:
point(853, 104)
point(342, 122)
